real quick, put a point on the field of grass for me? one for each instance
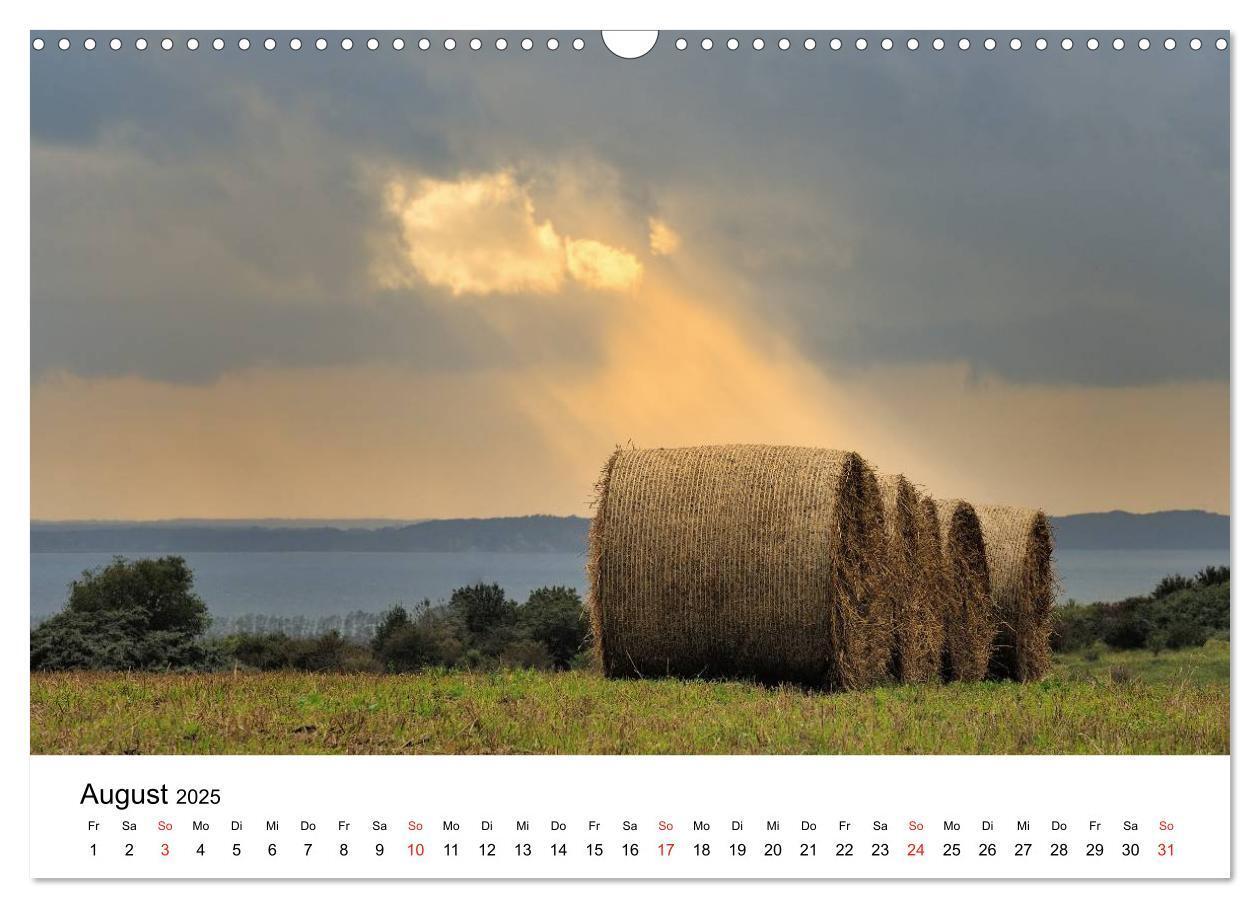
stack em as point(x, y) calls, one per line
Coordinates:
point(1111, 703)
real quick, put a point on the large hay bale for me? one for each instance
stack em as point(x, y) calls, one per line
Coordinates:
point(969, 620)
point(935, 580)
point(1020, 552)
point(738, 561)
point(861, 627)
point(912, 564)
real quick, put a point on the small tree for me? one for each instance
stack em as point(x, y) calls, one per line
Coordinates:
point(325, 653)
point(429, 639)
point(556, 617)
point(392, 623)
point(159, 588)
point(483, 607)
point(139, 614)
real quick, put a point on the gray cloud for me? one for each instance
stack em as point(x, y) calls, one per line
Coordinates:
point(1046, 217)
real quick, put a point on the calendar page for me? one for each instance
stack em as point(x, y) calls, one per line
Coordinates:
point(628, 455)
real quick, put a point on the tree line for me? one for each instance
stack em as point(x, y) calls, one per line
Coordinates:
point(1180, 612)
point(145, 615)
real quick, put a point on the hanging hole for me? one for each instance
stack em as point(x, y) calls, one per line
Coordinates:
point(630, 45)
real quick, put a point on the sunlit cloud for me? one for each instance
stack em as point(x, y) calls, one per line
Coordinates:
point(662, 239)
point(593, 264)
point(483, 235)
point(477, 235)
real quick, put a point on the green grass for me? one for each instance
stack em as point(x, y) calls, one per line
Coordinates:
point(1207, 664)
point(1115, 704)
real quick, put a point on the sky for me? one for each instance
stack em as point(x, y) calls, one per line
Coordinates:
point(421, 284)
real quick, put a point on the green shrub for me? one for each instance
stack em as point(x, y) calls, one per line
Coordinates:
point(556, 617)
point(1182, 613)
point(268, 652)
point(526, 654)
point(404, 644)
point(483, 608)
point(1171, 584)
point(328, 652)
point(140, 614)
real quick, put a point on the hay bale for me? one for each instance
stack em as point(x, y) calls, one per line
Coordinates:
point(738, 561)
point(911, 558)
point(1020, 552)
point(969, 621)
point(934, 580)
point(862, 628)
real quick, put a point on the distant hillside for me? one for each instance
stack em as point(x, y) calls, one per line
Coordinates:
point(499, 534)
point(1160, 530)
point(1112, 530)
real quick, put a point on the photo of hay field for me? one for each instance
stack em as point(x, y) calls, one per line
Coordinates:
point(450, 394)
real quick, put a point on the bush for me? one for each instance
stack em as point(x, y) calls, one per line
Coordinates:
point(1182, 633)
point(1171, 584)
point(393, 622)
point(1212, 576)
point(268, 652)
point(483, 608)
point(1126, 627)
point(405, 644)
point(325, 653)
point(140, 614)
point(104, 642)
point(525, 654)
point(328, 652)
point(159, 588)
point(556, 617)
point(1183, 613)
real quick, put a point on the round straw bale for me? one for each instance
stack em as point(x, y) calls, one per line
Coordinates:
point(736, 561)
point(969, 620)
point(934, 582)
point(862, 628)
point(1020, 552)
point(917, 627)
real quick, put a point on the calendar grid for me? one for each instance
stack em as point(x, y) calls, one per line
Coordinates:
point(641, 817)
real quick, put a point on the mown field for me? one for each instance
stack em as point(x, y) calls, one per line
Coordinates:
point(1109, 703)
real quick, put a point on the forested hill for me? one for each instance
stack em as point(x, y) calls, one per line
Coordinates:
point(498, 534)
point(1160, 530)
point(1111, 530)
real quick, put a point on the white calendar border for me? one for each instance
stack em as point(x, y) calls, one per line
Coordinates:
point(786, 14)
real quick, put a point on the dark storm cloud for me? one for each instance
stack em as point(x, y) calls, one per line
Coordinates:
point(1042, 216)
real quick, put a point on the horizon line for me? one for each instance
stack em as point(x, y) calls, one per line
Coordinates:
point(328, 521)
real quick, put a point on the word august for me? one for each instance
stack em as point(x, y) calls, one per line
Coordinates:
point(122, 798)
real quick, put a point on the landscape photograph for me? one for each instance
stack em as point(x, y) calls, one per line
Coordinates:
point(431, 396)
